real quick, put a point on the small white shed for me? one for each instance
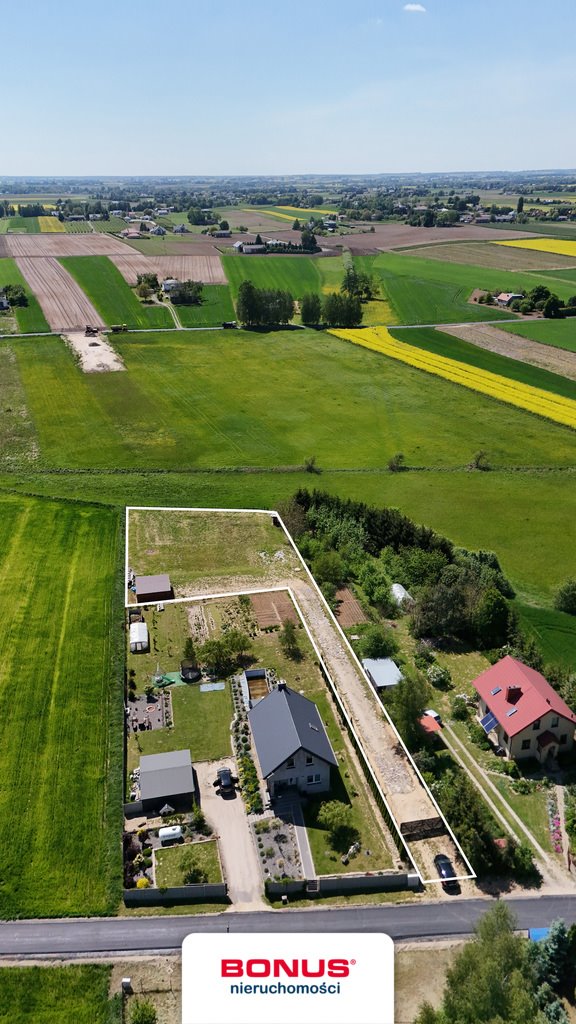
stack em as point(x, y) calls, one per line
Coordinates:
point(382, 672)
point(139, 640)
point(400, 594)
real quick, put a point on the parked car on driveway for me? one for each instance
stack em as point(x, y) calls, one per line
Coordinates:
point(224, 780)
point(446, 873)
point(433, 714)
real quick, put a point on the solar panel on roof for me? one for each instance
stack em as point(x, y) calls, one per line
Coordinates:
point(488, 722)
point(511, 712)
point(497, 689)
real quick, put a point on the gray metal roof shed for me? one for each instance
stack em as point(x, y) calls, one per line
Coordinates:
point(382, 672)
point(164, 775)
point(154, 588)
point(282, 723)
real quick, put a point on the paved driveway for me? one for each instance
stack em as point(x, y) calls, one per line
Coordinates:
point(227, 816)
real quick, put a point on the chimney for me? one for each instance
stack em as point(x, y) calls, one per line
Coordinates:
point(282, 684)
point(513, 694)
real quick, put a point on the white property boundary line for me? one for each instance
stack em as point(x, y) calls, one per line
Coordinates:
point(344, 638)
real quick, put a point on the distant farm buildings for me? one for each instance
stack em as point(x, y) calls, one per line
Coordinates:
point(169, 285)
point(180, 229)
point(158, 230)
point(507, 298)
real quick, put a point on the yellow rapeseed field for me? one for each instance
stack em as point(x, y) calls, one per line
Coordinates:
point(524, 396)
point(555, 245)
point(50, 224)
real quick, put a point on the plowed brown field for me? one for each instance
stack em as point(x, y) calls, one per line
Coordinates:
point(63, 245)
point(185, 268)
point(558, 360)
point(63, 302)
point(479, 254)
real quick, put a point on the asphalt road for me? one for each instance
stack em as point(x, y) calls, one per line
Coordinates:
point(161, 934)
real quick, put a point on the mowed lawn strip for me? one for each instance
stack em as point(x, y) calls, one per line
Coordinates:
point(30, 318)
point(112, 297)
point(75, 994)
point(170, 863)
point(434, 340)
point(216, 307)
point(60, 726)
point(180, 406)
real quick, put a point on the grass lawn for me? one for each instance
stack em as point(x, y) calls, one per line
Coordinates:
point(434, 340)
point(201, 725)
point(170, 862)
point(431, 291)
point(192, 546)
point(559, 333)
point(29, 318)
point(420, 976)
point(555, 632)
point(179, 406)
point(531, 809)
point(76, 994)
point(216, 307)
point(61, 721)
point(112, 297)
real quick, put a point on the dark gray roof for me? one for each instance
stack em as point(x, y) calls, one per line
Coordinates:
point(164, 775)
point(282, 723)
point(153, 584)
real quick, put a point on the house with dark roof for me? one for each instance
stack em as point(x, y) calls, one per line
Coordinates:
point(522, 713)
point(291, 743)
point(166, 779)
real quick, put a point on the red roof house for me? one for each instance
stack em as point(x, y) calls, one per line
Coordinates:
point(526, 716)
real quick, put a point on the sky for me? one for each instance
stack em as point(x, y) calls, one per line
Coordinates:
point(246, 87)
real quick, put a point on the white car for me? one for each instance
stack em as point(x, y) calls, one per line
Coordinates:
point(434, 714)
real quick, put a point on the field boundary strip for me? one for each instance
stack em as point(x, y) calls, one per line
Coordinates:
point(344, 640)
point(504, 389)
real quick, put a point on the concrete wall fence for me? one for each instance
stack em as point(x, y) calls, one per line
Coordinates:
point(331, 885)
point(204, 893)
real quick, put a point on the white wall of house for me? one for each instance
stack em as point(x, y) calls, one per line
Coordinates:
point(309, 773)
point(524, 743)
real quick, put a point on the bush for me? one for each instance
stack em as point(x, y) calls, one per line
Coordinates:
point(478, 736)
point(565, 600)
point(143, 883)
point(459, 709)
point(439, 677)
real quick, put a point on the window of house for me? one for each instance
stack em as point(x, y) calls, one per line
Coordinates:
point(309, 759)
point(564, 738)
point(289, 763)
point(554, 722)
point(313, 780)
point(536, 724)
point(526, 744)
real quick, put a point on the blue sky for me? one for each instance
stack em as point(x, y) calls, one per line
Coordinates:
point(249, 87)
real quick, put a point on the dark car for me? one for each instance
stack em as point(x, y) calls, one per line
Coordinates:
point(224, 780)
point(446, 872)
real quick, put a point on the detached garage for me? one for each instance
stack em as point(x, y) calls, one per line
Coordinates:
point(153, 588)
point(139, 640)
point(167, 778)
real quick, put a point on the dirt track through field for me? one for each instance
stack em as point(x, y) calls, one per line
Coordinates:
point(62, 245)
point(63, 302)
point(206, 268)
point(557, 360)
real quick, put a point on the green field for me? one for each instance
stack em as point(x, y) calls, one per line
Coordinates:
point(215, 308)
point(558, 333)
point(17, 435)
point(352, 409)
point(60, 728)
point(296, 274)
point(431, 291)
point(29, 318)
point(554, 631)
point(24, 225)
point(77, 994)
point(77, 227)
point(112, 297)
point(434, 340)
